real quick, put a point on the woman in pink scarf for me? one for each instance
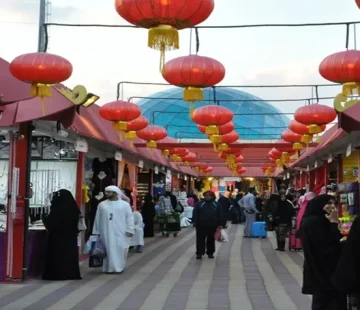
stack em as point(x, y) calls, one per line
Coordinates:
point(303, 202)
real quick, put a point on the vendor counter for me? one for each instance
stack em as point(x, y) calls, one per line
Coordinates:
point(37, 238)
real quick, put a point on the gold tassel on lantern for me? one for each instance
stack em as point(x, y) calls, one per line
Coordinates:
point(151, 144)
point(130, 135)
point(192, 94)
point(297, 146)
point(120, 126)
point(191, 108)
point(163, 38)
point(165, 153)
point(215, 139)
point(278, 163)
point(314, 129)
point(223, 147)
point(212, 130)
point(306, 138)
point(285, 157)
point(42, 91)
point(121, 136)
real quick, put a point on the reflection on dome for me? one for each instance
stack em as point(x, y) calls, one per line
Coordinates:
point(174, 114)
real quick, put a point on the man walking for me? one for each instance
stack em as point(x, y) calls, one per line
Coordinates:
point(248, 203)
point(207, 218)
point(114, 222)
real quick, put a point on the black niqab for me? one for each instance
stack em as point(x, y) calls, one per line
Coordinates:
point(62, 258)
point(148, 213)
point(322, 248)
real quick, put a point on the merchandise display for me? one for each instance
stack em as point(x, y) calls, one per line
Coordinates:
point(345, 224)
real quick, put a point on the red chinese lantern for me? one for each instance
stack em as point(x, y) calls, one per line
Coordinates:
point(120, 113)
point(212, 116)
point(207, 169)
point(190, 157)
point(133, 126)
point(177, 153)
point(241, 170)
point(303, 130)
point(42, 70)
point(164, 18)
point(165, 150)
point(239, 159)
point(274, 153)
point(223, 130)
point(226, 139)
point(151, 134)
point(315, 115)
point(294, 138)
point(193, 72)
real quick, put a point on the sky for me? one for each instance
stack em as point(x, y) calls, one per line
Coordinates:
point(102, 57)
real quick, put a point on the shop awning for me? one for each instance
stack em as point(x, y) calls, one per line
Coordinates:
point(251, 172)
point(89, 124)
point(11, 89)
point(57, 108)
point(349, 120)
point(330, 136)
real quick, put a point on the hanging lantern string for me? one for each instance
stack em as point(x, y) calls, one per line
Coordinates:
point(197, 40)
point(347, 36)
point(190, 45)
point(355, 37)
point(214, 95)
point(317, 93)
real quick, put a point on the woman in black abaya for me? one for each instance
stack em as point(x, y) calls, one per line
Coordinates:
point(347, 275)
point(148, 214)
point(62, 257)
point(320, 238)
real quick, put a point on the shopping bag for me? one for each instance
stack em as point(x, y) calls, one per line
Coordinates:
point(221, 236)
point(95, 262)
point(99, 249)
point(90, 244)
point(81, 223)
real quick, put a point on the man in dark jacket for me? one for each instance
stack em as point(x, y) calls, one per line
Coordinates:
point(207, 218)
point(225, 204)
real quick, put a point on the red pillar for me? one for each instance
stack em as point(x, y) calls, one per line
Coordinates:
point(16, 237)
point(80, 178)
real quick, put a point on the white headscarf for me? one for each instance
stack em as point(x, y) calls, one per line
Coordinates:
point(118, 191)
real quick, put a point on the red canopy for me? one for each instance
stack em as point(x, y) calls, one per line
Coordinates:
point(11, 89)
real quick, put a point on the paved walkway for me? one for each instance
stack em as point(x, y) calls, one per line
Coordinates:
point(247, 274)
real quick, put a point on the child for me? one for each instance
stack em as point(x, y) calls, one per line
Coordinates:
point(137, 239)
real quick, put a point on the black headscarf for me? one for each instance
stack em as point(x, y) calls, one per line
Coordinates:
point(64, 212)
point(315, 207)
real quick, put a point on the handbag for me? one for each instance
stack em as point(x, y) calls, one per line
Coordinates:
point(81, 223)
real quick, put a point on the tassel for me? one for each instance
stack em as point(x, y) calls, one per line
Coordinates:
point(120, 126)
point(163, 38)
point(314, 129)
point(306, 138)
point(193, 94)
point(151, 144)
point(223, 147)
point(130, 135)
point(215, 147)
point(297, 146)
point(212, 130)
point(191, 108)
point(42, 91)
point(215, 139)
point(121, 136)
point(165, 153)
point(318, 139)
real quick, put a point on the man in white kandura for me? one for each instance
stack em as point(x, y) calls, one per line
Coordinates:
point(114, 222)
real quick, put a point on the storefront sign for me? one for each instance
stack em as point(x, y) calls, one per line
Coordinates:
point(156, 170)
point(185, 177)
point(118, 156)
point(288, 175)
point(141, 164)
point(308, 168)
point(330, 158)
point(81, 145)
point(348, 150)
point(316, 164)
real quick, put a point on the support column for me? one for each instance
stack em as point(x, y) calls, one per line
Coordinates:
point(80, 179)
point(16, 242)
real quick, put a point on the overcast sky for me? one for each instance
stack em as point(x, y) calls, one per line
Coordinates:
point(104, 56)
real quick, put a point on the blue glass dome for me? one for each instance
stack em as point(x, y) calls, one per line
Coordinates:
point(254, 119)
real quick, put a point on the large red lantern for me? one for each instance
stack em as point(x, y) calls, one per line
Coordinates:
point(315, 115)
point(358, 3)
point(178, 152)
point(133, 126)
point(164, 18)
point(241, 170)
point(294, 138)
point(275, 153)
point(226, 139)
point(193, 72)
point(42, 70)
point(190, 157)
point(165, 150)
point(223, 129)
point(303, 130)
point(207, 169)
point(120, 113)
point(151, 134)
point(212, 116)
